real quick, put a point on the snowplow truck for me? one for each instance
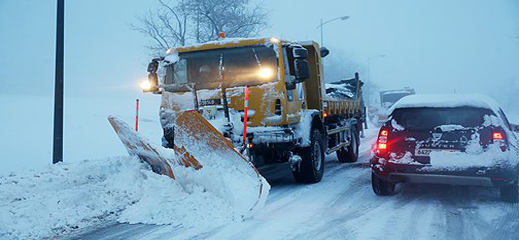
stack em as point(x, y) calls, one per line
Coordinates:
point(267, 96)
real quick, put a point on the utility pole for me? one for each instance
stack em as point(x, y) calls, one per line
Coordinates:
point(57, 153)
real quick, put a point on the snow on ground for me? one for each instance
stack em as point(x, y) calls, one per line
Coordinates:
point(343, 206)
point(41, 200)
point(71, 196)
point(27, 128)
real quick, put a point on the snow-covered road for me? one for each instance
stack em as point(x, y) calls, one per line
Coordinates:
point(343, 206)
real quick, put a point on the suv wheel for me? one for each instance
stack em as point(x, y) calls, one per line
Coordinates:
point(382, 187)
point(509, 193)
point(311, 168)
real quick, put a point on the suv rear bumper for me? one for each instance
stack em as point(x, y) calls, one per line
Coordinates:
point(440, 179)
point(475, 176)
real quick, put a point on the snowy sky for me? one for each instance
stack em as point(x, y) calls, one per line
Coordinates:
point(434, 46)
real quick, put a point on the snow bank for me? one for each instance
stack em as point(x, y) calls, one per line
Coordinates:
point(69, 196)
point(446, 101)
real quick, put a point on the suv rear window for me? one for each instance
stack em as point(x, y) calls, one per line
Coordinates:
point(429, 118)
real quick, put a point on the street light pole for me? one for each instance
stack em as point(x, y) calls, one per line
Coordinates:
point(322, 40)
point(57, 153)
point(331, 20)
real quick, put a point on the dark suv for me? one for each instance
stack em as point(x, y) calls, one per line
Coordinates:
point(446, 139)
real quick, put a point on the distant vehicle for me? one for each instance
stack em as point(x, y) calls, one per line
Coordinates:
point(390, 97)
point(447, 139)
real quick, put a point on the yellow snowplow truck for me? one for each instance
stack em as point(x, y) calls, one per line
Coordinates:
point(267, 96)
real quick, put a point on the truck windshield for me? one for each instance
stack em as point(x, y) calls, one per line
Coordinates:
point(236, 66)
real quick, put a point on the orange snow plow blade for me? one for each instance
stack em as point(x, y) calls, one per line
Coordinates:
point(198, 145)
point(151, 154)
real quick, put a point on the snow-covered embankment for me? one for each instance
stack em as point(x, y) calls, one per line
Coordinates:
point(69, 196)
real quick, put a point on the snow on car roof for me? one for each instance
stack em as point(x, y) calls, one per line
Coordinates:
point(446, 101)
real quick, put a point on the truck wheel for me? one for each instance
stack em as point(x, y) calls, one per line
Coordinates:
point(351, 153)
point(311, 168)
point(509, 193)
point(382, 187)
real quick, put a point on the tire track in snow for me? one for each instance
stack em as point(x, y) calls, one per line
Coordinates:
point(508, 225)
point(298, 199)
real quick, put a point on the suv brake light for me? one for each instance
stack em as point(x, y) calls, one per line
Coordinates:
point(382, 147)
point(497, 136)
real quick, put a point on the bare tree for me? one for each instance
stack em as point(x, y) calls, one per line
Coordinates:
point(166, 26)
point(182, 22)
point(237, 18)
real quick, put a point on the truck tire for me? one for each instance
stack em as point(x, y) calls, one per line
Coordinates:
point(311, 168)
point(382, 187)
point(509, 193)
point(350, 153)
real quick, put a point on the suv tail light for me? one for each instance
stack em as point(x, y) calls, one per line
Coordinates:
point(499, 139)
point(382, 143)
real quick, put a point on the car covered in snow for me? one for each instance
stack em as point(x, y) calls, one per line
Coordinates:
point(387, 99)
point(454, 139)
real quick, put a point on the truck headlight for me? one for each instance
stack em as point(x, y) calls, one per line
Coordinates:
point(146, 85)
point(266, 73)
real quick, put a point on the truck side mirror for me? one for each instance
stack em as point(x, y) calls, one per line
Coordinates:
point(300, 53)
point(324, 52)
point(301, 66)
point(153, 66)
point(302, 70)
point(152, 84)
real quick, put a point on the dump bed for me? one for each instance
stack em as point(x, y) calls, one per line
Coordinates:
point(343, 97)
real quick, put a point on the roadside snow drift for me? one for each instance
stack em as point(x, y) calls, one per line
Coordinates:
point(69, 196)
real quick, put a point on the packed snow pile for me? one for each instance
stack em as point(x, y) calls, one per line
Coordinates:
point(343, 89)
point(339, 91)
point(69, 196)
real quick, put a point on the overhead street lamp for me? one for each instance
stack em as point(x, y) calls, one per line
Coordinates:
point(331, 20)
